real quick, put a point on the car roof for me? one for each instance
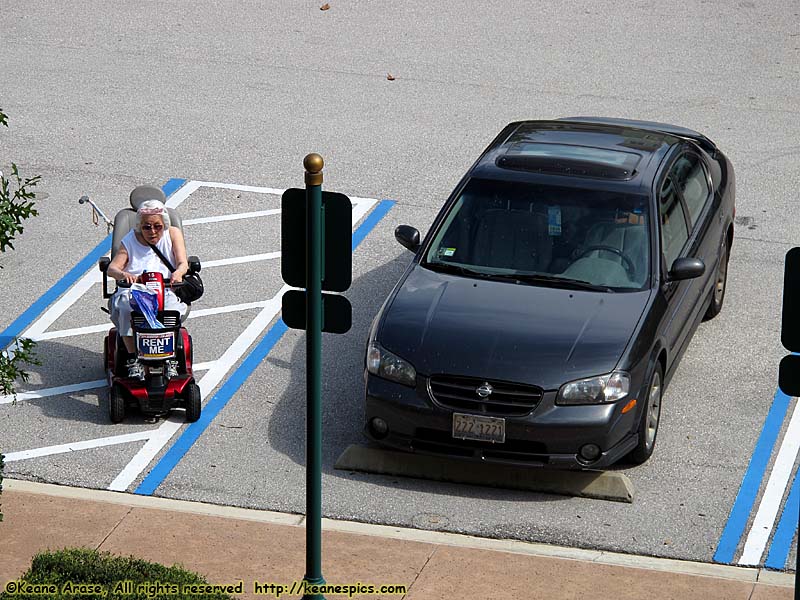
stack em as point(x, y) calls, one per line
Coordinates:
point(597, 152)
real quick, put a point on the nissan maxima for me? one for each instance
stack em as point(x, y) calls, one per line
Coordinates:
point(551, 300)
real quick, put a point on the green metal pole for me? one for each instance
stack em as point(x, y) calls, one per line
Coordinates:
point(313, 164)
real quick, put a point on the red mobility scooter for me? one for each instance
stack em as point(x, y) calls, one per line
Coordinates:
point(157, 393)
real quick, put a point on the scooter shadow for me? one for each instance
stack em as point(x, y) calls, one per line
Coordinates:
point(65, 364)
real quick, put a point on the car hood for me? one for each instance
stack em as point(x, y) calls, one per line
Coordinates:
point(545, 336)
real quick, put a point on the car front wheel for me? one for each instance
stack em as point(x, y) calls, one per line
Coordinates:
point(649, 420)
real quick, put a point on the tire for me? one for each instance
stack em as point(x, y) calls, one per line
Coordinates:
point(720, 285)
point(116, 404)
point(193, 404)
point(649, 419)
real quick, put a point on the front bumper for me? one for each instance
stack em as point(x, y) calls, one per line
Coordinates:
point(549, 436)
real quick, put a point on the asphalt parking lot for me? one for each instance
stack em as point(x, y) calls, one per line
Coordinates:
point(109, 102)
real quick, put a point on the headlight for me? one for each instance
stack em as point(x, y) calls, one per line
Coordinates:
point(384, 364)
point(595, 390)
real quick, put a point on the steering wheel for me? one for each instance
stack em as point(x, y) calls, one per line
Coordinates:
point(628, 263)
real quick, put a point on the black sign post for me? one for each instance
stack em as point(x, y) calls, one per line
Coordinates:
point(789, 373)
point(316, 254)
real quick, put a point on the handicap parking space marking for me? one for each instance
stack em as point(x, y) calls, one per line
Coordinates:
point(755, 540)
point(193, 432)
point(84, 276)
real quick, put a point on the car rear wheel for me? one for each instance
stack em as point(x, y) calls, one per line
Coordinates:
point(649, 420)
point(720, 283)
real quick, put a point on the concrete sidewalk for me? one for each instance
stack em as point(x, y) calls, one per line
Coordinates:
point(227, 545)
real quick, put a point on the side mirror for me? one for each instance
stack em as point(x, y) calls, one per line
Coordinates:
point(686, 268)
point(408, 237)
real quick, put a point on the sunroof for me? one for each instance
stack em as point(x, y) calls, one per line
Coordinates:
point(566, 159)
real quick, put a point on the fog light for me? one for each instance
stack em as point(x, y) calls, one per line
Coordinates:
point(589, 452)
point(379, 428)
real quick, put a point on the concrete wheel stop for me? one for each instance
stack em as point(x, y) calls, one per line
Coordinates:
point(600, 485)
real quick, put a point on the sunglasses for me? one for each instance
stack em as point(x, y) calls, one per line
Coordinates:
point(148, 227)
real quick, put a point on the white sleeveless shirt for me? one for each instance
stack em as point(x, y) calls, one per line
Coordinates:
point(141, 257)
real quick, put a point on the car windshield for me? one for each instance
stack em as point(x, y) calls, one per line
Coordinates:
point(545, 235)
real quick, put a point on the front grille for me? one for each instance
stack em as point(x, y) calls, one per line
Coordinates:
point(506, 399)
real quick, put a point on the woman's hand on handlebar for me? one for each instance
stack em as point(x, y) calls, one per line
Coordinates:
point(129, 278)
point(176, 277)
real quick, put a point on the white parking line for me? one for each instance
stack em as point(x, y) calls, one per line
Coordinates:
point(237, 187)
point(773, 494)
point(73, 446)
point(167, 429)
point(242, 259)
point(201, 312)
point(76, 387)
point(54, 391)
point(204, 312)
point(233, 217)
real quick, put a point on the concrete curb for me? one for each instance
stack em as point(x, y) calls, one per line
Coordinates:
point(729, 572)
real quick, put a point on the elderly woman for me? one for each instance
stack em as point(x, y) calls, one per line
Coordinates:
point(134, 257)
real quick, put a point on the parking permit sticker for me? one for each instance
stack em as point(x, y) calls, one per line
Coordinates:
point(448, 252)
point(554, 220)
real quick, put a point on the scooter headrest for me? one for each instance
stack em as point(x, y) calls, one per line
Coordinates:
point(144, 193)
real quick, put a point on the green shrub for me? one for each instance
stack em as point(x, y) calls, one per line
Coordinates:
point(76, 566)
point(16, 204)
point(16, 201)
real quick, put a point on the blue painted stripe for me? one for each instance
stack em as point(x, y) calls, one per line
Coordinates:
point(751, 483)
point(787, 528)
point(384, 206)
point(172, 186)
point(33, 312)
point(212, 408)
point(24, 321)
point(174, 455)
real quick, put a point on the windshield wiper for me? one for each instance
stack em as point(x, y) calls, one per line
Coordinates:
point(458, 269)
point(519, 277)
point(565, 281)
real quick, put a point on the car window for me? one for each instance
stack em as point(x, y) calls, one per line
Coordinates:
point(505, 227)
point(674, 233)
point(689, 174)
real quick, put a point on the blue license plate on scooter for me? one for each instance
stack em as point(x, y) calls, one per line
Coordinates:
point(156, 346)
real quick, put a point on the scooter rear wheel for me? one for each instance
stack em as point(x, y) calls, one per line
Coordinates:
point(116, 404)
point(193, 404)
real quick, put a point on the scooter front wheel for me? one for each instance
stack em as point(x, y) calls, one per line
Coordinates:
point(193, 404)
point(116, 404)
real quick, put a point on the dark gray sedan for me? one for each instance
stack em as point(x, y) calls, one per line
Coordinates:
point(550, 302)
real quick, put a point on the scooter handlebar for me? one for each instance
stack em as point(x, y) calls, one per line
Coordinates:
point(167, 284)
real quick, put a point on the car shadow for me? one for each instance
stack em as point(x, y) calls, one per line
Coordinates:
point(343, 398)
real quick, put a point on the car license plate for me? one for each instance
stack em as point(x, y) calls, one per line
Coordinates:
point(482, 429)
point(156, 345)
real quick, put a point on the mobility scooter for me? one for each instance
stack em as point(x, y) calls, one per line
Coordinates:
point(156, 394)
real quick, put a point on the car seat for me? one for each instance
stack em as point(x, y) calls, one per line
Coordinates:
point(512, 239)
point(609, 268)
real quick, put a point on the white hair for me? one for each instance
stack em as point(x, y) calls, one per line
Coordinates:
point(152, 207)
